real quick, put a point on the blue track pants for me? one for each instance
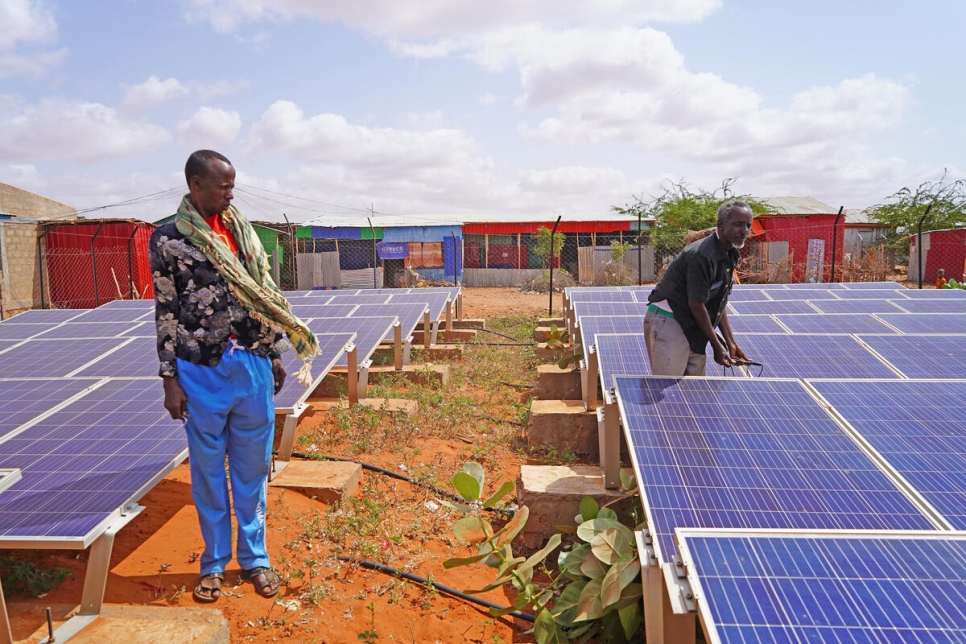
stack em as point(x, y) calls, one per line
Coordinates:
point(230, 413)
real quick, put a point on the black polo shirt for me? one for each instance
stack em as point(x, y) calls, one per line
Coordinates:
point(703, 271)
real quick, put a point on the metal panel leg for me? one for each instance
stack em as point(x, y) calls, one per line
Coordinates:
point(610, 445)
point(590, 386)
point(363, 391)
point(288, 435)
point(397, 346)
point(427, 329)
point(449, 315)
point(98, 565)
point(352, 374)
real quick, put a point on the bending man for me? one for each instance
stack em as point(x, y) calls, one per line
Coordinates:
point(691, 299)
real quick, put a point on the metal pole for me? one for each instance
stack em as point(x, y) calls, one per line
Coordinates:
point(835, 232)
point(40, 266)
point(456, 254)
point(97, 299)
point(640, 262)
point(919, 242)
point(373, 249)
point(552, 233)
point(130, 263)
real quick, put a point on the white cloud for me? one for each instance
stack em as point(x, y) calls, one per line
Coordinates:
point(25, 21)
point(427, 19)
point(30, 65)
point(152, 93)
point(208, 91)
point(65, 130)
point(210, 127)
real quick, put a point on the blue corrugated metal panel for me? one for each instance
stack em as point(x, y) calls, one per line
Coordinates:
point(336, 233)
point(421, 233)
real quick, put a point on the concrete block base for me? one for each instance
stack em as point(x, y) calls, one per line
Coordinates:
point(563, 425)
point(553, 494)
point(457, 335)
point(327, 481)
point(440, 352)
point(548, 321)
point(470, 323)
point(543, 354)
point(420, 373)
point(135, 625)
point(554, 383)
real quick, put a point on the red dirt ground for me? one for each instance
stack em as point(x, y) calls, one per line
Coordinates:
point(154, 557)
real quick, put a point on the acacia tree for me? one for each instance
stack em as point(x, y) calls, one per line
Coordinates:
point(902, 211)
point(541, 247)
point(679, 210)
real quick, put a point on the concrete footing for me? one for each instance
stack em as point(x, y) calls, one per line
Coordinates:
point(327, 481)
point(420, 373)
point(542, 354)
point(457, 335)
point(469, 323)
point(553, 494)
point(142, 625)
point(563, 425)
point(554, 383)
point(441, 352)
point(548, 321)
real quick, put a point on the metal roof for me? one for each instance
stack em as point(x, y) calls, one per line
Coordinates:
point(798, 206)
point(390, 221)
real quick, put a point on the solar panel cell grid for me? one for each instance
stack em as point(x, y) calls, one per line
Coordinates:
point(293, 393)
point(23, 400)
point(43, 316)
point(856, 306)
point(790, 306)
point(740, 453)
point(11, 331)
point(39, 358)
point(306, 311)
point(832, 323)
point(115, 315)
point(801, 294)
point(813, 356)
point(754, 324)
point(830, 588)
point(82, 330)
point(369, 332)
point(136, 359)
point(591, 325)
point(923, 322)
point(939, 305)
point(921, 356)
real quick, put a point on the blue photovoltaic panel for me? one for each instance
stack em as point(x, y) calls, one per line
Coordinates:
point(869, 294)
point(41, 358)
point(863, 286)
point(749, 453)
point(81, 330)
point(6, 344)
point(748, 295)
point(581, 309)
point(779, 295)
point(919, 427)
point(939, 305)
point(621, 355)
point(792, 306)
point(23, 400)
point(834, 286)
point(306, 311)
point(86, 460)
point(44, 316)
point(831, 323)
point(142, 330)
point(145, 305)
point(369, 333)
point(136, 359)
point(435, 301)
point(116, 314)
point(920, 322)
point(591, 325)
point(601, 296)
point(813, 356)
point(410, 315)
point(856, 306)
point(829, 587)
point(932, 293)
point(754, 324)
point(11, 331)
point(362, 298)
point(293, 393)
point(921, 356)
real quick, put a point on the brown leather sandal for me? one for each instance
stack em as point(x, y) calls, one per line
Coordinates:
point(264, 580)
point(208, 588)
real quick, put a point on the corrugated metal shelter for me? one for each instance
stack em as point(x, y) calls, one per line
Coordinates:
point(90, 262)
point(797, 240)
point(861, 231)
point(944, 249)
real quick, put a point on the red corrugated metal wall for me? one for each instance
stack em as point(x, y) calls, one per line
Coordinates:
point(797, 230)
point(119, 254)
point(947, 249)
point(531, 228)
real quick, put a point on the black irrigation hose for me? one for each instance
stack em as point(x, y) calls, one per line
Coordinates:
point(494, 344)
point(394, 475)
point(502, 335)
point(395, 572)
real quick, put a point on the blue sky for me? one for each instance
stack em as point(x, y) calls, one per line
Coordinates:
point(536, 107)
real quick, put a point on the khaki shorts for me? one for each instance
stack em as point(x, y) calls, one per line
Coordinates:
point(668, 348)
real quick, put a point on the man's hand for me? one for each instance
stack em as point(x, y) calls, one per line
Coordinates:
point(736, 352)
point(175, 400)
point(721, 355)
point(278, 373)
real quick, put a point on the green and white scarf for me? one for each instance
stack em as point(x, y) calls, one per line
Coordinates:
point(249, 278)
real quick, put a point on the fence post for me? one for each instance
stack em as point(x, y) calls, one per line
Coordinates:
point(835, 234)
point(130, 262)
point(374, 260)
point(40, 265)
point(552, 233)
point(97, 298)
point(919, 242)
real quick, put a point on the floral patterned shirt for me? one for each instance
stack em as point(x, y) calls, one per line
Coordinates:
point(195, 313)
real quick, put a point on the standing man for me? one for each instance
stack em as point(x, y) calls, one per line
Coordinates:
point(691, 300)
point(220, 323)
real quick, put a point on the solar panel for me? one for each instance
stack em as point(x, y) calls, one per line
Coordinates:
point(748, 295)
point(943, 305)
point(6, 344)
point(306, 311)
point(293, 393)
point(369, 333)
point(832, 323)
point(870, 294)
point(43, 316)
point(813, 356)
point(115, 315)
point(435, 301)
point(749, 453)
point(828, 586)
point(855, 306)
point(601, 296)
point(583, 308)
point(23, 400)
point(919, 427)
point(591, 325)
point(82, 463)
point(932, 293)
point(363, 298)
point(921, 356)
point(834, 286)
point(792, 306)
point(920, 322)
point(11, 331)
point(136, 359)
point(39, 358)
point(862, 286)
point(779, 295)
point(82, 330)
point(410, 315)
point(755, 324)
point(624, 354)
point(145, 305)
